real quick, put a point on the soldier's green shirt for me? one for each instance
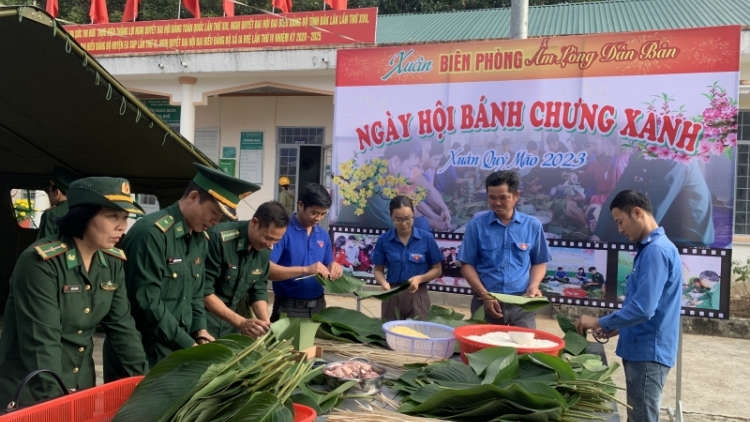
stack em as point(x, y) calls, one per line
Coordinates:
point(48, 222)
point(710, 298)
point(52, 312)
point(234, 269)
point(164, 274)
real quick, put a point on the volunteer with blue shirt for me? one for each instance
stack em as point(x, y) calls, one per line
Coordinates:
point(504, 251)
point(304, 251)
point(409, 254)
point(649, 320)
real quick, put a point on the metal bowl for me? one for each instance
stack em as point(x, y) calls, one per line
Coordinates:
point(365, 387)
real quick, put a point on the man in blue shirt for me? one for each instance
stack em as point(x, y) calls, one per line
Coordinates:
point(304, 251)
point(504, 251)
point(649, 320)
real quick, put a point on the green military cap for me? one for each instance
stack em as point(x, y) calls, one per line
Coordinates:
point(109, 192)
point(62, 178)
point(227, 190)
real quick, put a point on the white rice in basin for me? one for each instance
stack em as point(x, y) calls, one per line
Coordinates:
point(501, 338)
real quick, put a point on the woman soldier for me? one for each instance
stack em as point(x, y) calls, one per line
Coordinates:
point(62, 288)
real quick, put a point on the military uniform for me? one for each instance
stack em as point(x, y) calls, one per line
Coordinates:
point(165, 283)
point(165, 275)
point(48, 222)
point(234, 268)
point(55, 305)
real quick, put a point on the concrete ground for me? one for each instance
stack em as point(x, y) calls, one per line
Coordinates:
point(715, 375)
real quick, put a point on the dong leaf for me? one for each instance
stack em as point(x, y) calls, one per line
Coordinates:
point(526, 303)
point(343, 284)
point(383, 295)
point(349, 324)
point(481, 360)
point(566, 324)
point(575, 344)
point(563, 370)
point(263, 407)
point(447, 313)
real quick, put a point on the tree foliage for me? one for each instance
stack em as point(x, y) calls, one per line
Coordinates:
point(77, 11)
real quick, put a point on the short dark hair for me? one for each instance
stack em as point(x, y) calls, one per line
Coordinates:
point(627, 200)
point(271, 212)
point(203, 196)
point(351, 237)
point(504, 177)
point(400, 201)
point(559, 268)
point(403, 149)
point(315, 195)
point(710, 276)
point(552, 137)
point(592, 268)
point(453, 247)
point(75, 222)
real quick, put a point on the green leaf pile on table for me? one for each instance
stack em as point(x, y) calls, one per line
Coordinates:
point(234, 378)
point(498, 385)
point(350, 326)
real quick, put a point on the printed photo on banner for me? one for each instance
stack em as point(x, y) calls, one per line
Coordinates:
point(353, 251)
point(433, 128)
point(578, 273)
point(701, 282)
point(451, 265)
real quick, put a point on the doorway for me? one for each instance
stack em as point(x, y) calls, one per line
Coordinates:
point(300, 152)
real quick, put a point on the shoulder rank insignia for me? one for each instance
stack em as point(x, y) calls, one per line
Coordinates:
point(228, 235)
point(165, 223)
point(51, 250)
point(117, 253)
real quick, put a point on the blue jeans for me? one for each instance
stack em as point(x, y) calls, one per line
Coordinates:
point(644, 382)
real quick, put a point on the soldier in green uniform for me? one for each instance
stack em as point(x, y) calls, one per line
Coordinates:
point(165, 271)
point(712, 283)
point(58, 202)
point(62, 288)
point(237, 265)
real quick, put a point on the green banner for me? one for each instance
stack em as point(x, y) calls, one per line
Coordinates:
point(167, 112)
point(228, 165)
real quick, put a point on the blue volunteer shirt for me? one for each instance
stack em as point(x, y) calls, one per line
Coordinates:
point(502, 255)
point(295, 249)
point(649, 321)
point(404, 262)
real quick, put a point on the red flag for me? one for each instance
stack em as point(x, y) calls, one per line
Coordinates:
point(52, 8)
point(131, 11)
point(98, 11)
point(228, 8)
point(336, 4)
point(284, 5)
point(193, 6)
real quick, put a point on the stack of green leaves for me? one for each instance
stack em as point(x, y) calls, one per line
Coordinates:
point(234, 378)
point(498, 385)
point(350, 326)
point(575, 344)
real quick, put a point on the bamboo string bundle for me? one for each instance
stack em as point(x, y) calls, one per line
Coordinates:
point(385, 357)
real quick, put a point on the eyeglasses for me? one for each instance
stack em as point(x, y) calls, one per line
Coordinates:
point(403, 220)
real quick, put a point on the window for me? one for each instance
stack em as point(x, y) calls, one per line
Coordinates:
point(742, 197)
point(26, 207)
point(301, 135)
point(147, 200)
